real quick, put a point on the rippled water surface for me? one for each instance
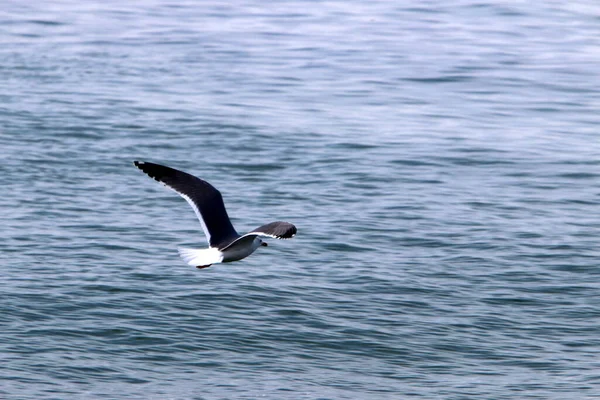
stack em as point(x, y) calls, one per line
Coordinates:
point(440, 159)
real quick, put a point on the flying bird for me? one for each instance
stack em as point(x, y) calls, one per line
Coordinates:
point(224, 243)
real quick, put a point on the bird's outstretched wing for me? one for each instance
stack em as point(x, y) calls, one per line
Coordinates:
point(277, 230)
point(206, 201)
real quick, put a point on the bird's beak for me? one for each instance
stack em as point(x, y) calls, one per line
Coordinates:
point(264, 244)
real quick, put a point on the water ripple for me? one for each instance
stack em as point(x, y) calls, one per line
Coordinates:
point(441, 164)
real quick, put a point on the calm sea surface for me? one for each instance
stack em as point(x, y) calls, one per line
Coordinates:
point(440, 159)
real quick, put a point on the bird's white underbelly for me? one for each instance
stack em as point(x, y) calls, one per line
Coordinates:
point(239, 251)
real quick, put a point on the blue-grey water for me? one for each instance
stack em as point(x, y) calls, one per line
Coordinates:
point(440, 159)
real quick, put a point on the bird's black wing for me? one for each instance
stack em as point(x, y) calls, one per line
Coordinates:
point(277, 229)
point(206, 201)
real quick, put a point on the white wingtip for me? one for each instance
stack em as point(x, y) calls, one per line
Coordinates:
point(200, 257)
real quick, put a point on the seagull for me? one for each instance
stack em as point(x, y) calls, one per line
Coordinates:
point(224, 243)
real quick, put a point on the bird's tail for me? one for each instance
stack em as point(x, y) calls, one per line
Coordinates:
point(200, 257)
